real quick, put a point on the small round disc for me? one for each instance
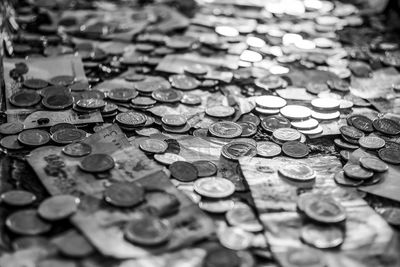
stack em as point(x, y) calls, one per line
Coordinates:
point(62, 80)
point(11, 128)
point(305, 125)
point(184, 82)
point(371, 142)
point(225, 129)
point(298, 172)
point(325, 210)
point(268, 149)
point(174, 120)
point(73, 244)
point(205, 168)
point(351, 132)
point(236, 149)
point(325, 104)
point(286, 134)
point(295, 149)
point(295, 112)
point(242, 216)
point(58, 207)
point(322, 237)
point(25, 98)
point(124, 194)
point(18, 198)
point(373, 164)
point(78, 149)
point(220, 111)
point(34, 137)
point(386, 126)
point(153, 146)
point(183, 171)
point(355, 171)
point(325, 116)
point(214, 187)
point(274, 122)
point(147, 230)
point(248, 129)
point(216, 206)
point(68, 136)
point(27, 222)
point(11, 142)
point(389, 155)
point(35, 83)
point(270, 102)
point(341, 179)
point(361, 123)
point(97, 163)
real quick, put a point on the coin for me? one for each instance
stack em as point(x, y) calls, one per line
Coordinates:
point(286, 134)
point(220, 111)
point(131, 119)
point(147, 230)
point(371, 142)
point(322, 116)
point(345, 145)
point(225, 129)
point(248, 129)
point(351, 132)
point(316, 88)
point(390, 155)
point(264, 111)
point(235, 238)
point(25, 98)
point(236, 149)
point(250, 56)
point(304, 256)
point(242, 216)
point(183, 171)
point(97, 163)
point(270, 102)
point(57, 101)
point(122, 94)
point(58, 207)
point(345, 154)
point(167, 95)
point(143, 101)
point(268, 149)
point(392, 216)
point(62, 80)
point(322, 237)
point(214, 187)
point(249, 117)
point(386, 126)
point(305, 125)
point(360, 122)
point(355, 171)
point(68, 136)
point(60, 126)
point(11, 142)
point(295, 149)
point(191, 99)
point(325, 104)
point(205, 168)
point(11, 128)
point(297, 171)
point(183, 82)
point(17, 198)
point(27, 222)
point(153, 145)
point(91, 103)
point(73, 244)
point(35, 83)
point(295, 112)
point(196, 69)
point(341, 179)
point(34, 137)
point(314, 131)
point(28, 242)
point(325, 210)
point(274, 122)
point(168, 158)
point(216, 206)
point(221, 257)
point(77, 149)
point(177, 129)
point(174, 120)
point(124, 194)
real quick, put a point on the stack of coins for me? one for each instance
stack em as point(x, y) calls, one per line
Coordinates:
point(131, 120)
point(300, 119)
point(269, 105)
point(174, 123)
